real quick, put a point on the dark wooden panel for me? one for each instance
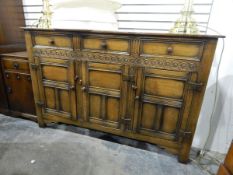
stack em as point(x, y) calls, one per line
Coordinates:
point(11, 19)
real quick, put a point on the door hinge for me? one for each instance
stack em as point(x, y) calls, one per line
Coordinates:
point(34, 66)
point(125, 121)
point(185, 134)
point(40, 103)
point(195, 86)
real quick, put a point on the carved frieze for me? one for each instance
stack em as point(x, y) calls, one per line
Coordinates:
point(153, 62)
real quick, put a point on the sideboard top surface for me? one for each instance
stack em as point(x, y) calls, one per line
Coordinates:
point(132, 33)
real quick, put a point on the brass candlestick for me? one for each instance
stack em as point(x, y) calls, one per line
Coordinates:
point(186, 24)
point(45, 19)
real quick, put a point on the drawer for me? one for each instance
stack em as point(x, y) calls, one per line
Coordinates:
point(56, 40)
point(97, 44)
point(190, 50)
point(16, 64)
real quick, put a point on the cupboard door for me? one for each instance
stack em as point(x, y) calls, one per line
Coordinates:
point(104, 94)
point(19, 90)
point(56, 87)
point(159, 102)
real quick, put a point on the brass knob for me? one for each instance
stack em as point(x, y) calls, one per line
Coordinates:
point(104, 45)
point(16, 65)
point(29, 78)
point(52, 42)
point(169, 50)
point(80, 82)
point(134, 87)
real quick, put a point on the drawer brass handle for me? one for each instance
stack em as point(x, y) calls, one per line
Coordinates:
point(169, 50)
point(29, 78)
point(52, 42)
point(104, 45)
point(16, 65)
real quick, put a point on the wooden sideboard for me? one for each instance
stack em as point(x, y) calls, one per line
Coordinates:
point(16, 87)
point(147, 87)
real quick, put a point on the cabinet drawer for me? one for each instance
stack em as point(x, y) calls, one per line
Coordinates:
point(15, 64)
point(97, 44)
point(190, 50)
point(56, 40)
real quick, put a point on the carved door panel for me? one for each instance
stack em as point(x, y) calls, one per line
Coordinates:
point(105, 94)
point(159, 102)
point(56, 87)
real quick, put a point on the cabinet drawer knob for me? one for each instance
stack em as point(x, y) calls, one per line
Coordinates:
point(169, 50)
point(29, 78)
point(16, 65)
point(104, 45)
point(52, 42)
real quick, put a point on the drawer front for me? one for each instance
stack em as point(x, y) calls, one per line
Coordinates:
point(190, 50)
point(98, 44)
point(16, 65)
point(56, 40)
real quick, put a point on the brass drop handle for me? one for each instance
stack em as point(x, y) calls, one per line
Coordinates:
point(16, 65)
point(169, 50)
point(52, 42)
point(134, 87)
point(104, 45)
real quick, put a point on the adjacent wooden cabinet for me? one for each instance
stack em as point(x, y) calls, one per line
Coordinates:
point(142, 86)
point(17, 86)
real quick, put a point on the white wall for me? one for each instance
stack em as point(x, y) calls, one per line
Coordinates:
point(222, 120)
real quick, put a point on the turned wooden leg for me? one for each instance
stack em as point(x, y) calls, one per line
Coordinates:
point(183, 156)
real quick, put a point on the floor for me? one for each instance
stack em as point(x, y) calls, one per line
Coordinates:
point(26, 149)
